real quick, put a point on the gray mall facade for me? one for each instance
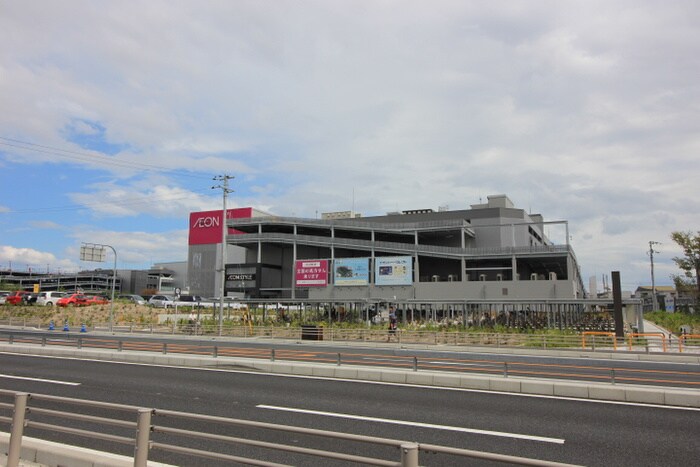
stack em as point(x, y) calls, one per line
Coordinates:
point(493, 251)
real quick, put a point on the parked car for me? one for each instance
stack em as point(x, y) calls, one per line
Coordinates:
point(15, 298)
point(137, 299)
point(97, 300)
point(49, 298)
point(3, 296)
point(29, 298)
point(189, 300)
point(75, 299)
point(162, 301)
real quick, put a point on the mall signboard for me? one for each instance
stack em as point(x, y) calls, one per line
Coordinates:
point(206, 227)
point(351, 271)
point(311, 273)
point(393, 270)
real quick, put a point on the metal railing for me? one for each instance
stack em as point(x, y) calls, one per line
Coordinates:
point(586, 340)
point(153, 429)
point(396, 246)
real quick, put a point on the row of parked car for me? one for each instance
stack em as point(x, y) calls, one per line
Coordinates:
point(51, 298)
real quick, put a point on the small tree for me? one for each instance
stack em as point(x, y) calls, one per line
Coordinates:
point(689, 281)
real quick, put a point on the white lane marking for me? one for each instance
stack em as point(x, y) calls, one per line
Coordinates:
point(39, 380)
point(377, 383)
point(502, 434)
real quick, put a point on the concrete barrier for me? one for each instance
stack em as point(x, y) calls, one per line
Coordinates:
point(40, 453)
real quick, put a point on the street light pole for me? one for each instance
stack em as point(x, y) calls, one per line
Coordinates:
point(224, 233)
point(653, 284)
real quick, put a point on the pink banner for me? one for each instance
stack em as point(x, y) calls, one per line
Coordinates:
point(311, 273)
point(206, 228)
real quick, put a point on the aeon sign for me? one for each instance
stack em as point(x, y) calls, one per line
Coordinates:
point(207, 221)
point(205, 227)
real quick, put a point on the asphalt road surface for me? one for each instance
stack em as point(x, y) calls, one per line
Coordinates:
point(556, 429)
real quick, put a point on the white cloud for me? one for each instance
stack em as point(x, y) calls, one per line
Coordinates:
point(25, 258)
point(579, 110)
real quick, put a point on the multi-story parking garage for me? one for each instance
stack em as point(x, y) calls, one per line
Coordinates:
point(491, 251)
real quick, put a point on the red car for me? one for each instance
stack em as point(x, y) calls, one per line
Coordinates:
point(15, 298)
point(76, 299)
point(97, 300)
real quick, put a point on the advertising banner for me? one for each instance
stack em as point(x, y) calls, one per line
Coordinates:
point(206, 227)
point(351, 271)
point(393, 270)
point(311, 273)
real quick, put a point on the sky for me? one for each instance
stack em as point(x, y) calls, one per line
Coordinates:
point(115, 116)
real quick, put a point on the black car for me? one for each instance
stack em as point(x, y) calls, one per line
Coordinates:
point(29, 298)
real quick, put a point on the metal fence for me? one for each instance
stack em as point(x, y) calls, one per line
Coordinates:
point(151, 429)
point(586, 340)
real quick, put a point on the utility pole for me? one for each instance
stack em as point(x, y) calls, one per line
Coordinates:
point(653, 284)
point(224, 231)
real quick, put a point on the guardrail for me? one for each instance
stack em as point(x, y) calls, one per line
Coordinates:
point(683, 337)
point(208, 349)
point(586, 340)
point(152, 430)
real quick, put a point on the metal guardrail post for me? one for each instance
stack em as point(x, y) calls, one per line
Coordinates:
point(17, 429)
point(409, 455)
point(165, 348)
point(272, 355)
point(80, 342)
point(505, 369)
point(43, 341)
point(338, 363)
point(12, 339)
point(612, 375)
point(120, 346)
point(216, 351)
point(143, 434)
point(415, 363)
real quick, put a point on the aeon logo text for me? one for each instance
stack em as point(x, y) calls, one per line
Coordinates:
point(206, 222)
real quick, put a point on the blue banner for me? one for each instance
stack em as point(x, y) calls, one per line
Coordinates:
point(393, 270)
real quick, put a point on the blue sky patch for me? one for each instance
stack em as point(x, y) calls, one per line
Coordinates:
point(91, 135)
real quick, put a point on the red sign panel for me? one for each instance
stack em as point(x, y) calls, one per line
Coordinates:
point(206, 228)
point(311, 273)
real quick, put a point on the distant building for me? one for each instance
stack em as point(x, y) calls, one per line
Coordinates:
point(666, 297)
point(493, 250)
point(98, 280)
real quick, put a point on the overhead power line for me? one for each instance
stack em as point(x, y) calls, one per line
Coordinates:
point(94, 158)
point(76, 207)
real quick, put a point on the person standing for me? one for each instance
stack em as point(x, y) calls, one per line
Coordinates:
point(392, 323)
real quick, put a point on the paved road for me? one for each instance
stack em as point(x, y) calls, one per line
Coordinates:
point(592, 369)
point(573, 431)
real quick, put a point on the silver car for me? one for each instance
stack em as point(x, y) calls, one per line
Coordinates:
point(137, 299)
point(162, 301)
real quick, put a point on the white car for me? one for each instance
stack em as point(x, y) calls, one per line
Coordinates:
point(162, 301)
point(49, 298)
point(3, 295)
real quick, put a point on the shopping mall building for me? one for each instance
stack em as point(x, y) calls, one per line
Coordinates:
point(491, 251)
